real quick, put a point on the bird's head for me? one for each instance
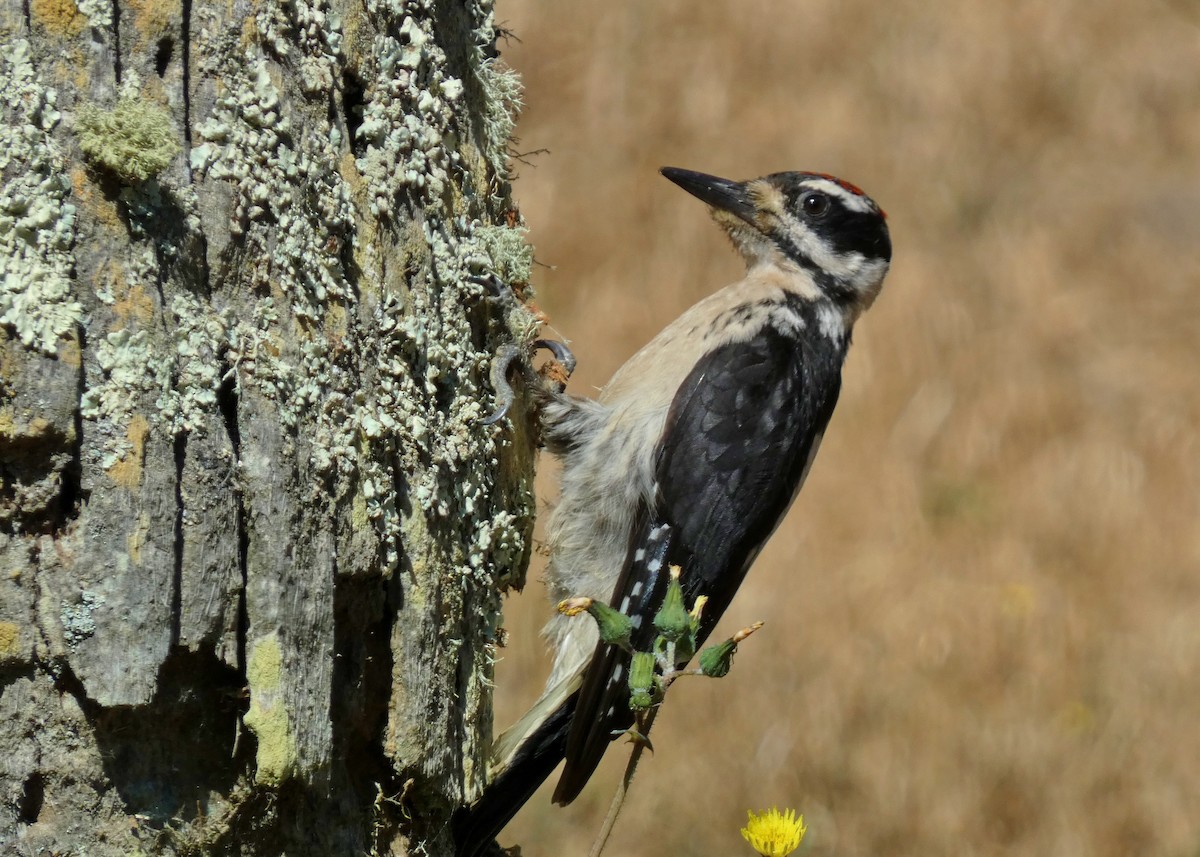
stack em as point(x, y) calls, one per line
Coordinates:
point(822, 225)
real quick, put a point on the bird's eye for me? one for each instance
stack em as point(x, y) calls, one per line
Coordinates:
point(815, 204)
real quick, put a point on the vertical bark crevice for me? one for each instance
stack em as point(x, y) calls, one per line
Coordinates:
point(227, 404)
point(185, 60)
point(73, 494)
point(180, 456)
point(353, 92)
point(116, 31)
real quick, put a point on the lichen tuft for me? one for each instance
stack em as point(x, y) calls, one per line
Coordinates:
point(135, 140)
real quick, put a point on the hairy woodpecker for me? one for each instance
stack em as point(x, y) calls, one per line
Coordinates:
point(690, 456)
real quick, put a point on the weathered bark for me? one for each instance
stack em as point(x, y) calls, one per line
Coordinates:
point(253, 531)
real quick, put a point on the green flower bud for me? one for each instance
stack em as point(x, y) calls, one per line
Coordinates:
point(614, 625)
point(642, 681)
point(715, 661)
point(672, 619)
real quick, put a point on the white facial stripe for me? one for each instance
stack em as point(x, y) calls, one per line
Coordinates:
point(844, 266)
point(852, 201)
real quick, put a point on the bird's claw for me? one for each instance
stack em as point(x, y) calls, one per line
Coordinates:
point(507, 353)
point(505, 396)
point(561, 353)
point(496, 287)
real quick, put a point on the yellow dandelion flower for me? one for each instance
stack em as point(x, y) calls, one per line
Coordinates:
point(773, 833)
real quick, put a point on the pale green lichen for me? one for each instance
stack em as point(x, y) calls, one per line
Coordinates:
point(501, 538)
point(136, 140)
point(509, 254)
point(437, 406)
point(246, 143)
point(170, 379)
point(420, 414)
point(128, 368)
point(503, 93)
point(200, 336)
point(98, 12)
point(408, 124)
point(312, 28)
point(78, 622)
point(37, 224)
point(503, 102)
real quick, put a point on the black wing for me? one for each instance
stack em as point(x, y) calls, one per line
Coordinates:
point(736, 444)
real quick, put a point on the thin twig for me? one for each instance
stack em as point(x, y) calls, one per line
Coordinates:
point(614, 809)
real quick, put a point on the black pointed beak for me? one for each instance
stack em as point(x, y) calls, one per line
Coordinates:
point(720, 193)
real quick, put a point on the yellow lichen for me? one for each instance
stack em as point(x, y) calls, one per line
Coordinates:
point(70, 353)
point(61, 17)
point(10, 639)
point(267, 717)
point(360, 517)
point(264, 670)
point(276, 757)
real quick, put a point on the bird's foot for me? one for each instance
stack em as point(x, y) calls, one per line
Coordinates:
point(554, 374)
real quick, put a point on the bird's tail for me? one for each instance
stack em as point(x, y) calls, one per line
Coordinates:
point(477, 825)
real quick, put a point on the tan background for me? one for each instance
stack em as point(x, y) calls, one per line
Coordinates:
point(983, 614)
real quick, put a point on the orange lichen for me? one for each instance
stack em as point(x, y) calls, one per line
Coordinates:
point(96, 204)
point(135, 303)
point(69, 351)
point(128, 471)
point(152, 18)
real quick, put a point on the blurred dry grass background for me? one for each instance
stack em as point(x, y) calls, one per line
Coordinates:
point(983, 614)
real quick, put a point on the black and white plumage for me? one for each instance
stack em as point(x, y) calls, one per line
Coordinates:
point(690, 456)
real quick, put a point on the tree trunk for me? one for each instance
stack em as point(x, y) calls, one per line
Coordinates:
point(254, 533)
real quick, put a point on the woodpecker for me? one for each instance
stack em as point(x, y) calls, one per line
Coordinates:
point(690, 456)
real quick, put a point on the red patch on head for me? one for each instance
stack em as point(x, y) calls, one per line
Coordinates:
point(853, 188)
point(842, 183)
